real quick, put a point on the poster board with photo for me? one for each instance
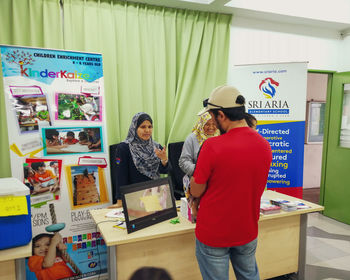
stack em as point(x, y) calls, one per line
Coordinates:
point(43, 177)
point(56, 128)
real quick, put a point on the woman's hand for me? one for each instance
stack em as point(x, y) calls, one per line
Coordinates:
point(161, 154)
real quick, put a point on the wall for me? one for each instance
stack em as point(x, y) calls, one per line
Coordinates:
point(256, 41)
point(345, 54)
point(331, 12)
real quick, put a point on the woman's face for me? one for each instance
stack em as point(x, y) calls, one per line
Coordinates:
point(42, 246)
point(144, 131)
point(209, 128)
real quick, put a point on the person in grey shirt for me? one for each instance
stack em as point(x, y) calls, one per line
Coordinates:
point(202, 130)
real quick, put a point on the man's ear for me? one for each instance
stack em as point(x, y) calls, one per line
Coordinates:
point(221, 115)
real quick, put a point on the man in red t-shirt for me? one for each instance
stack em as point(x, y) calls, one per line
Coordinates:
point(230, 177)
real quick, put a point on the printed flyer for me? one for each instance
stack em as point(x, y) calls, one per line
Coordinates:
point(276, 95)
point(55, 113)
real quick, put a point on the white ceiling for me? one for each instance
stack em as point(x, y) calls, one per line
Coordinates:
point(333, 15)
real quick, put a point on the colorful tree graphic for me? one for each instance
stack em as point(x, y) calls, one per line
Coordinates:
point(20, 58)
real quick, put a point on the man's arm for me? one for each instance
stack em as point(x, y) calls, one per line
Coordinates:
point(197, 190)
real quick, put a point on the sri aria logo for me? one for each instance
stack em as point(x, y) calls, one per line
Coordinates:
point(270, 105)
point(268, 87)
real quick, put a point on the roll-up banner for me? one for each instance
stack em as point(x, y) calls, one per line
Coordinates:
point(276, 95)
point(58, 149)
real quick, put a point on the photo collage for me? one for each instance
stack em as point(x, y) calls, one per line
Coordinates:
point(57, 138)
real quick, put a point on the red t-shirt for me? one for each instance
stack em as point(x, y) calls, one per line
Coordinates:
point(46, 176)
point(70, 141)
point(235, 167)
point(58, 271)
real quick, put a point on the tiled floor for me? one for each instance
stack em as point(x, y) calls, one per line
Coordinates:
point(327, 249)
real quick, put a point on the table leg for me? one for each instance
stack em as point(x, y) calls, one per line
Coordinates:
point(302, 247)
point(112, 260)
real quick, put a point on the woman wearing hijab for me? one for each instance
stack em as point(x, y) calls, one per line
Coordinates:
point(138, 157)
point(201, 131)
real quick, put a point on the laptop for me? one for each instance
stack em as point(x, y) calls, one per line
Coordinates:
point(148, 203)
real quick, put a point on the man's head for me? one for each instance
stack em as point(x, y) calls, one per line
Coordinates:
point(225, 104)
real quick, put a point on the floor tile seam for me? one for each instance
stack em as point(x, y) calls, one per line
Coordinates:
point(326, 234)
point(330, 265)
point(327, 272)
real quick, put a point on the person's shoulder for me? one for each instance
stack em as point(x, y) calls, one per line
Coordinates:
point(122, 146)
point(260, 139)
point(213, 140)
point(191, 137)
point(34, 258)
point(258, 135)
point(156, 144)
point(211, 143)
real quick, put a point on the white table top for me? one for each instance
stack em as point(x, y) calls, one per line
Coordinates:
point(16, 252)
point(117, 236)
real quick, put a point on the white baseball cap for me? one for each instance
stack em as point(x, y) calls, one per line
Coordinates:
point(221, 97)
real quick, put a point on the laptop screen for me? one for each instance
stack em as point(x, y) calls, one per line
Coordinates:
point(148, 203)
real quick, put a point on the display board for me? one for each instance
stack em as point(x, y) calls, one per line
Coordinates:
point(57, 134)
point(276, 95)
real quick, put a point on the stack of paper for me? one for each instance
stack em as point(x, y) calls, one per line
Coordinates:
point(267, 208)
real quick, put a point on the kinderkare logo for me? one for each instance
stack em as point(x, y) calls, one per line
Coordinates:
point(20, 58)
point(23, 58)
point(268, 87)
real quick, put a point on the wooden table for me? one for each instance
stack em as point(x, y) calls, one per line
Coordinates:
point(281, 244)
point(7, 260)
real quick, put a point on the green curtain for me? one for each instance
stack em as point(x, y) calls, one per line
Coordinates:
point(34, 23)
point(159, 60)
point(163, 61)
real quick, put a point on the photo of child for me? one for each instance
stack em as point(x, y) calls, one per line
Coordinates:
point(42, 176)
point(47, 260)
point(55, 167)
point(31, 111)
point(72, 140)
point(52, 138)
point(94, 138)
point(47, 180)
point(29, 179)
point(83, 138)
point(78, 107)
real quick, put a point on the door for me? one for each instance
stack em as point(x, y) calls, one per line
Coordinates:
point(335, 188)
